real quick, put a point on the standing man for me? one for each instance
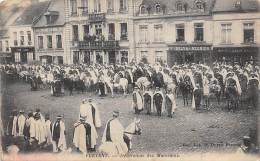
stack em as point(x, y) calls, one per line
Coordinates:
point(113, 133)
point(21, 122)
point(158, 101)
point(85, 136)
point(58, 135)
point(137, 103)
point(48, 128)
point(170, 103)
point(90, 110)
point(148, 101)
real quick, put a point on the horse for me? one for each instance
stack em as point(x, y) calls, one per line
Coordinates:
point(232, 95)
point(143, 83)
point(133, 129)
point(120, 82)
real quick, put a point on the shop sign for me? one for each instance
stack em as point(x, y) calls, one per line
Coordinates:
point(191, 48)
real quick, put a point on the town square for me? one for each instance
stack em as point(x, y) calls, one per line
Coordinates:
point(129, 77)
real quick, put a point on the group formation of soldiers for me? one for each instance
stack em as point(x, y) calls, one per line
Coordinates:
point(40, 133)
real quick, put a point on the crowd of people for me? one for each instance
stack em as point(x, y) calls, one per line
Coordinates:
point(154, 89)
point(40, 133)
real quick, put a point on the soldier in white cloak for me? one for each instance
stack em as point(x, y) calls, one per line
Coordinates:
point(48, 128)
point(113, 136)
point(14, 124)
point(21, 122)
point(58, 135)
point(90, 110)
point(170, 103)
point(11, 125)
point(137, 103)
point(37, 130)
point(85, 136)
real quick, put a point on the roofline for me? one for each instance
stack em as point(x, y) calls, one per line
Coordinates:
point(46, 26)
point(38, 18)
point(170, 16)
point(241, 11)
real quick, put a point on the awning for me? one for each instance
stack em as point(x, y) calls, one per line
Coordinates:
point(5, 54)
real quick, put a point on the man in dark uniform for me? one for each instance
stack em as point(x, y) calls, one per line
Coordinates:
point(158, 101)
point(197, 96)
point(148, 95)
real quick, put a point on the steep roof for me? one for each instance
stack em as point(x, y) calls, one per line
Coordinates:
point(31, 13)
point(170, 5)
point(56, 8)
point(10, 10)
point(230, 5)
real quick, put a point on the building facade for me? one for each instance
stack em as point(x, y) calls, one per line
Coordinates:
point(22, 35)
point(236, 31)
point(99, 31)
point(173, 31)
point(49, 34)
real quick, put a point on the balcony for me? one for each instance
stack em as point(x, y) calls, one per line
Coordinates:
point(97, 17)
point(97, 45)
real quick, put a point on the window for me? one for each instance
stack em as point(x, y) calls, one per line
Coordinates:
point(226, 33)
point(200, 5)
point(179, 6)
point(58, 41)
point(84, 4)
point(15, 38)
point(21, 38)
point(180, 34)
point(110, 6)
point(1, 46)
point(124, 31)
point(122, 5)
point(124, 57)
point(98, 29)
point(199, 33)
point(144, 54)
point(73, 4)
point(75, 32)
point(111, 31)
point(29, 36)
point(143, 30)
point(143, 10)
point(158, 34)
point(40, 42)
point(6, 45)
point(49, 41)
point(86, 31)
point(158, 56)
point(249, 32)
point(97, 6)
point(157, 8)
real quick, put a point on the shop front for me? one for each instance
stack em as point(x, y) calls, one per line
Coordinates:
point(188, 53)
point(233, 55)
point(23, 54)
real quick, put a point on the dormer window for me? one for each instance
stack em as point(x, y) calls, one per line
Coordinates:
point(143, 10)
point(238, 4)
point(51, 16)
point(157, 8)
point(200, 5)
point(179, 7)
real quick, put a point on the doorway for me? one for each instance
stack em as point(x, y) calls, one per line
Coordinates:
point(112, 57)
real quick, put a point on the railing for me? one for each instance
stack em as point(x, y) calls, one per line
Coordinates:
point(97, 45)
point(97, 17)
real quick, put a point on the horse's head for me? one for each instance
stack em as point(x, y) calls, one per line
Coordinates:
point(137, 127)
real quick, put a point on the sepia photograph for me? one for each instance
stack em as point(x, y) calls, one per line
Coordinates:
point(129, 79)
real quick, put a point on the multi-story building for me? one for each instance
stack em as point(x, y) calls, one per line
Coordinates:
point(21, 33)
point(49, 34)
point(173, 31)
point(99, 31)
point(236, 30)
